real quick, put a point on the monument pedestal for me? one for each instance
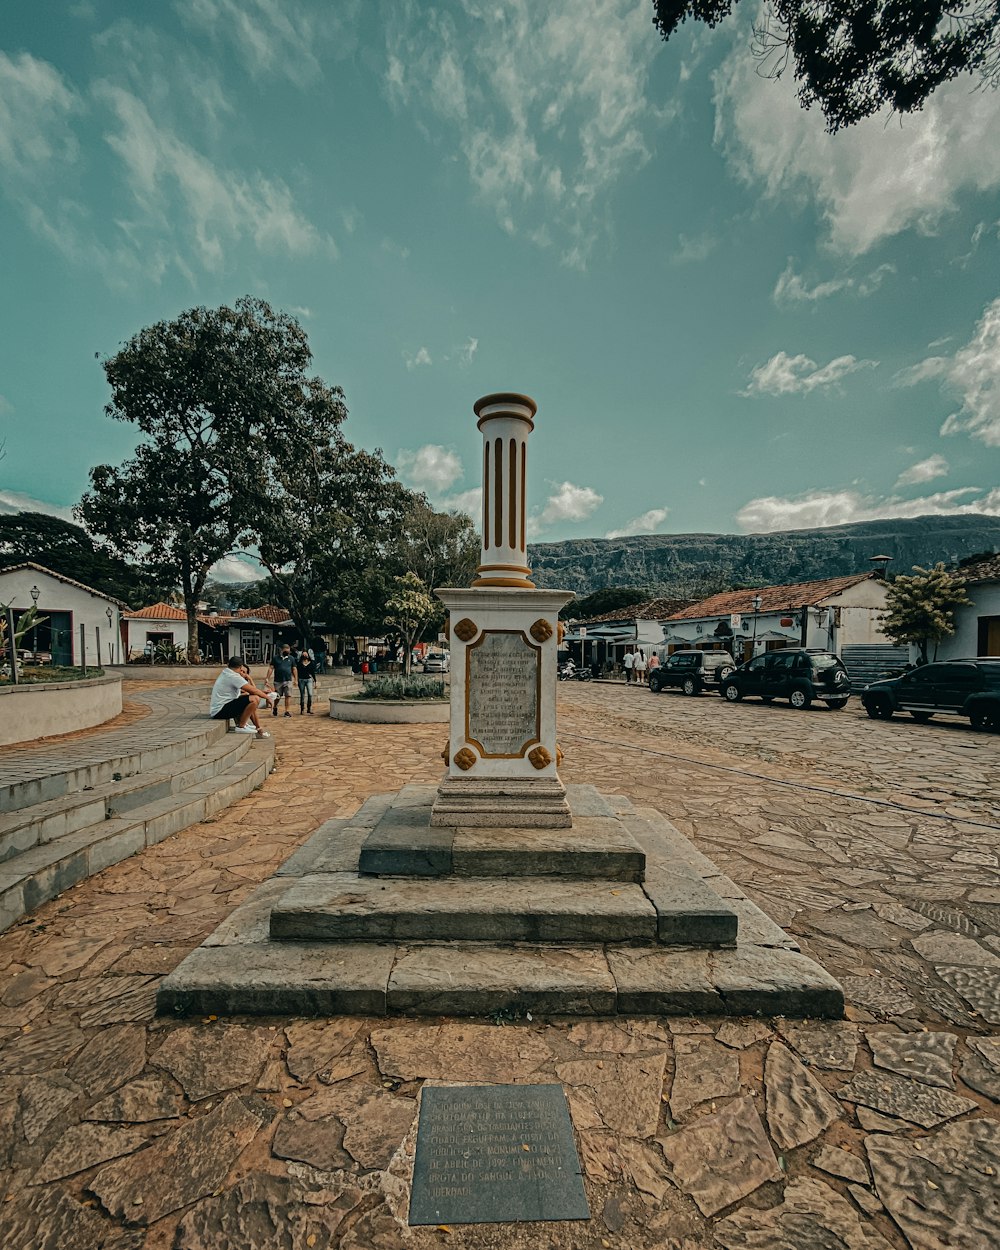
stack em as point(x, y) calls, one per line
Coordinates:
point(502, 751)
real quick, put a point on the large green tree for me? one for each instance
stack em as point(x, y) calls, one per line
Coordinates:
point(855, 57)
point(921, 608)
point(224, 403)
point(408, 610)
point(333, 514)
point(68, 549)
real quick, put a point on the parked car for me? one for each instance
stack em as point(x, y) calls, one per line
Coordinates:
point(952, 688)
point(795, 674)
point(693, 671)
point(437, 662)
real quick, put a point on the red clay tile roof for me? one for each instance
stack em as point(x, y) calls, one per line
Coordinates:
point(156, 612)
point(269, 612)
point(772, 598)
point(985, 570)
point(651, 610)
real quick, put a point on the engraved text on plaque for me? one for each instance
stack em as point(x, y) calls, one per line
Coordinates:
point(502, 693)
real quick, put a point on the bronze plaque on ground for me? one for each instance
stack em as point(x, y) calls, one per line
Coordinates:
point(489, 1154)
point(503, 694)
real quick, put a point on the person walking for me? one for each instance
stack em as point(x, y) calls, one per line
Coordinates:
point(628, 663)
point(639, 667)
point(305, 666)
point(282, 669)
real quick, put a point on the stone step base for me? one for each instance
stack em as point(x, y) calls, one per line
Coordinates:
point(346, 907)
point(484, 979)
point(240, 969)
point(405, 843)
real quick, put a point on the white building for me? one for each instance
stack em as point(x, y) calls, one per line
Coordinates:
point(67, 606)
point(977, 628)
point(831, 615)
point(146, 628)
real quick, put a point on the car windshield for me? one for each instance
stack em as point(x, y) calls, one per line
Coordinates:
point(824, 661)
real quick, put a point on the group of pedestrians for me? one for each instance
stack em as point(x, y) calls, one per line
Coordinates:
point(637, 666)
point(235, 697)
point(289, 669)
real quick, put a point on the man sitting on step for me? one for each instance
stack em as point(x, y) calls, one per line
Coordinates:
point(235, 697)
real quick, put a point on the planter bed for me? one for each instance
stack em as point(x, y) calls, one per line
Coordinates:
point(391, 711)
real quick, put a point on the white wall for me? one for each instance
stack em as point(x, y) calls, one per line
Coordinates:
point(136, 632)
point(985, 598)
point(86, 607)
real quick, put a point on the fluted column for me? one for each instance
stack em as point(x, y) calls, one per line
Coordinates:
point(506, 420)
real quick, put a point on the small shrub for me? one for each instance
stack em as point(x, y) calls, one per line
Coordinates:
point(396, 686)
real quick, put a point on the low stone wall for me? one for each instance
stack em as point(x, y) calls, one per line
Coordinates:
point(30, 711)
point(391, 711)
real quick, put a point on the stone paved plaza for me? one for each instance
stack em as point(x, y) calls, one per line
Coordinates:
point(876, 844)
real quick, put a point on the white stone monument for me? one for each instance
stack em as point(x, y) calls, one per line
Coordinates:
point(502, 756)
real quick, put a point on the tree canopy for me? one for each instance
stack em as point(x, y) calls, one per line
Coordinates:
point(408, 610)
point(608, 599)
point(922, 607)
point(855, 57)
point(224, 405)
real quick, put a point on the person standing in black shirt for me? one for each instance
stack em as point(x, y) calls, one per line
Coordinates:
point(305, 666)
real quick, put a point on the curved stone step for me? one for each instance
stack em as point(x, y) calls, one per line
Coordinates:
point(24, 828)
point(46, 870)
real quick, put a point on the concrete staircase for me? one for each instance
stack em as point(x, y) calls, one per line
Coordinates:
point(69, 810)
point(383, 913)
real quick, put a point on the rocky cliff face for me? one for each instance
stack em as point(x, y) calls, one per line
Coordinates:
point(702, 564)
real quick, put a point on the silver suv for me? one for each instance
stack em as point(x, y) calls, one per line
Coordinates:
point(693, 671)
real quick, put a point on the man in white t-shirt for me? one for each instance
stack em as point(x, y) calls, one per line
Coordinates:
point(235, 697)
point(627, 663)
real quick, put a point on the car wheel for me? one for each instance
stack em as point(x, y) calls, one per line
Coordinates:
point(690, 686)
point(836, 704)
point(655, 685)
point(921, 717)
point(731, 692)
point(874, 711)
point(724, 673)
point(800, 699)
point(985, 721)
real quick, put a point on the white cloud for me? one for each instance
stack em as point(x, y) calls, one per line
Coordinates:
point(176, 187)
point(233, 569)
point(36, 107)
point(431, 468)
point(468, 501)
point(924, 471)
point(694, 249)
point(792, 288)
point(13, 501)
point(278, 37)
point(567, 502)
point(798, 375)
point(549, 109)
point(414, 361)
point(6, 407)
point(468, 350)
point(871, 181)
point(818, 509)
point(973, 372)
point(648, 523)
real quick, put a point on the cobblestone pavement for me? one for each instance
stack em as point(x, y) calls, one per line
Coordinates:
point(875, 843)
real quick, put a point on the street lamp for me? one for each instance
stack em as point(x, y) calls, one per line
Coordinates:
point(756, 608)
point(111, 646)
point(35, 595)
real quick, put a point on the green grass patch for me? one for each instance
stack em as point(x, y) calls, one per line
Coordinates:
point(396, 686)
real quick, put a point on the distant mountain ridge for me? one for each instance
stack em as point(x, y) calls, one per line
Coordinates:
point(701, 564)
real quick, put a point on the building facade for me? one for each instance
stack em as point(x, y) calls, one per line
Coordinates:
point(67, 607)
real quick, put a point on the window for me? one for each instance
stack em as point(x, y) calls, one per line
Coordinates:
point(957, 675)
point(780, 663)
point(756, 665)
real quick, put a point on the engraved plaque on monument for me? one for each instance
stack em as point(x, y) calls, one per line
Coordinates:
point(492, 1153)
point(503, 694)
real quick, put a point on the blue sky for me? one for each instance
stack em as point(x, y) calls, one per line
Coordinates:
point(730, 320)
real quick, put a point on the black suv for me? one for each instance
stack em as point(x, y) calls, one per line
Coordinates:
point(794, 674)
point(692, 671)
point(952, 687)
